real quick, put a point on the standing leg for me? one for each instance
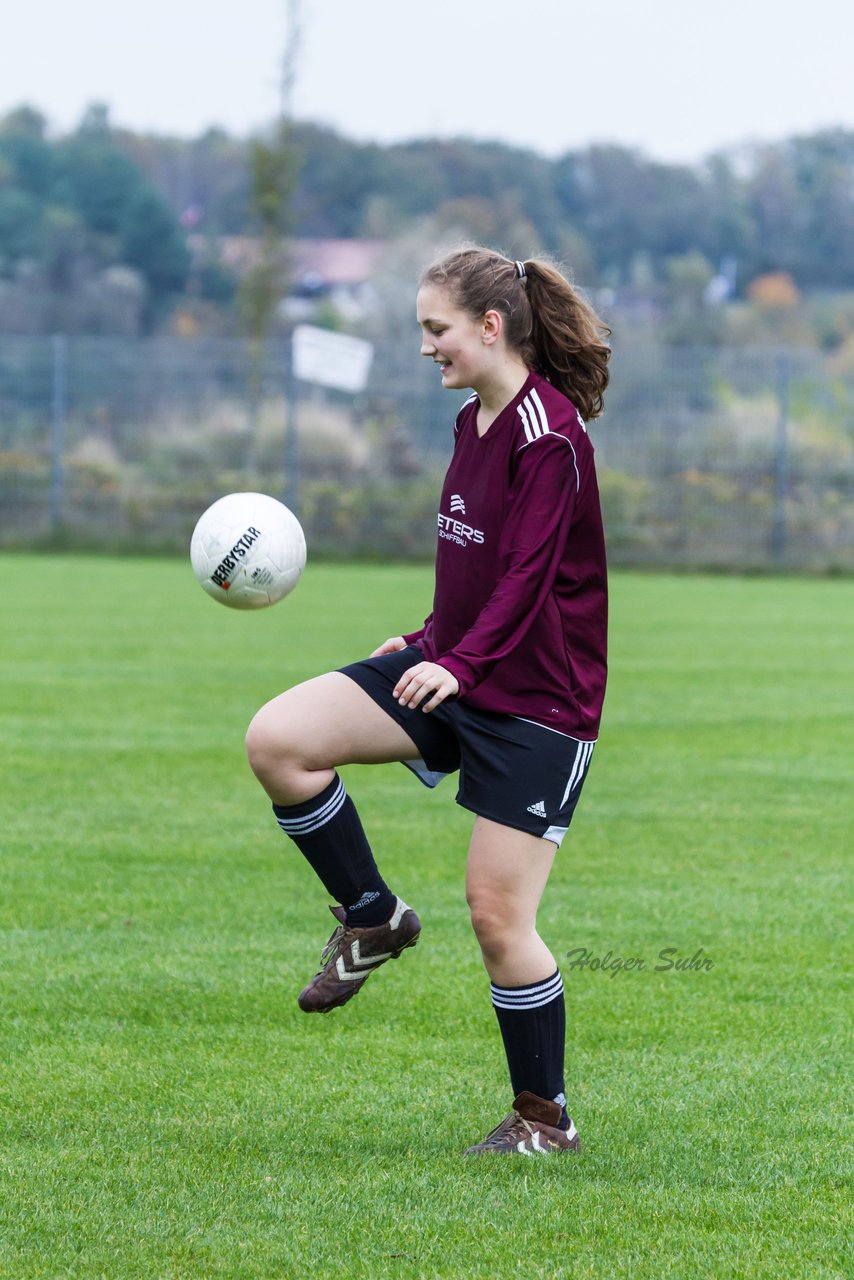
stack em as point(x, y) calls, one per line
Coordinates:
point(505, 878)
point(506, 874)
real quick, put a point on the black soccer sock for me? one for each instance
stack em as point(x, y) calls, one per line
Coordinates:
point(328, 832)
point(533, 1027)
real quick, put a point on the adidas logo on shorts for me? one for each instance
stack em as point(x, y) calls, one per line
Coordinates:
point(538, 809)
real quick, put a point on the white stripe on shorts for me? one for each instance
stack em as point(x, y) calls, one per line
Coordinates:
point(582, 760)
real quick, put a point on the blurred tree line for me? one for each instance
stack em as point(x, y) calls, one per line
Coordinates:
point(87, 241)
point(94, 225)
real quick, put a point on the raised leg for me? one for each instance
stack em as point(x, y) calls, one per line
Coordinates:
point(296, 741)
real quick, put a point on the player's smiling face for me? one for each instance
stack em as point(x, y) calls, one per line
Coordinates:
point(451, 338)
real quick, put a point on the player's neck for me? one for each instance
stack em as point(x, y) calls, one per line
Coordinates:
point(496, 392)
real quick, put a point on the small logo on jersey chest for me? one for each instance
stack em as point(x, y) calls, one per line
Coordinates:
point(458, 507)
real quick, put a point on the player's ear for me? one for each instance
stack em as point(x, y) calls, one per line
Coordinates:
point(492, 327)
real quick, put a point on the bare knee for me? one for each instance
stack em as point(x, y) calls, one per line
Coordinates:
point(264, 742)
point(274, 750)
point(496, 924)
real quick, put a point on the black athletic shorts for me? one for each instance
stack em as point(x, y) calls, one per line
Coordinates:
point(516, 772)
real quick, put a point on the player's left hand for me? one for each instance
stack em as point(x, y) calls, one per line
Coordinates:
point(422, 679)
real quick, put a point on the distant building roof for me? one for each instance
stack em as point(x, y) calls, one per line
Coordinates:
point(320, 264)
point(336, 262)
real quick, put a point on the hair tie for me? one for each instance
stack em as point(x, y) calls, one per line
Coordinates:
point(520, 270)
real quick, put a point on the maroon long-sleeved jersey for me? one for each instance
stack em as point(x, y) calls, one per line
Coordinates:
point(520, 608)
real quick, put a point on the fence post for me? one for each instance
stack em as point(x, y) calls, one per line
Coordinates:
point(779, 531)
point(292, 477)
point(59, 413)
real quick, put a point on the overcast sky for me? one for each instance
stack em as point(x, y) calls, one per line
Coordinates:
point(673, 78)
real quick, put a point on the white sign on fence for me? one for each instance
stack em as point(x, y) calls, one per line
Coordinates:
point(331, 359)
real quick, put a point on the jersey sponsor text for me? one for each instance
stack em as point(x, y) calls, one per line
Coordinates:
point(455, 531)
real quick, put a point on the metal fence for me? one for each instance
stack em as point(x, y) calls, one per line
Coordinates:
point(713, 457)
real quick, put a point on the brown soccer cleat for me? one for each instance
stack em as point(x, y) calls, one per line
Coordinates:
point(351, 955)
point(530, 1130)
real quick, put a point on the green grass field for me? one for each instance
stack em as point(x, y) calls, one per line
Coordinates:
point(166, 1109)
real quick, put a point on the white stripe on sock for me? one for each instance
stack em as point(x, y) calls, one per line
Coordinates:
point(527, 997)
point(535, 989)
point(308, 822)
point(530, 1004)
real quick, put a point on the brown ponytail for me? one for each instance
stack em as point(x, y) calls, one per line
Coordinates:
point(556, 332)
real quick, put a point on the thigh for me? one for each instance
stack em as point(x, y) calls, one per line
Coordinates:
point(331, 721)
point(508, 869)
point(432, 733)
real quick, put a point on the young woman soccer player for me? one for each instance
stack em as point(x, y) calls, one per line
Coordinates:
point(503, 682)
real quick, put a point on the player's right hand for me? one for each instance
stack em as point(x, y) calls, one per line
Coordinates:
point(392, 645)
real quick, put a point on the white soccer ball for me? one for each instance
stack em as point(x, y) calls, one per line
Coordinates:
point(248, 550)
